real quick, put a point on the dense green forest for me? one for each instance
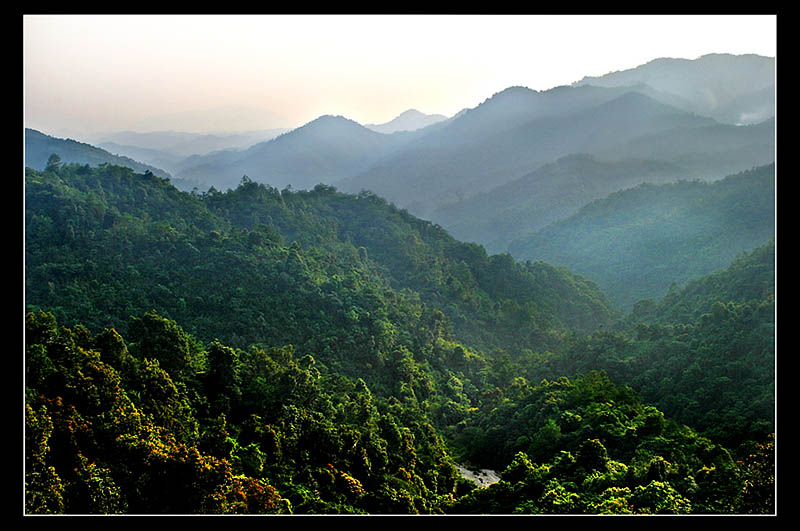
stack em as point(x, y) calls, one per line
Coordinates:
point(315, 352)
point(677, 232)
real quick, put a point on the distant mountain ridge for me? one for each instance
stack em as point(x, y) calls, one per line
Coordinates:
point(410, 120)
point(39, 147)
point(549, 193)
point(519, 130)
point(425, 162)
point(324, 150)
point(522, 158)
point(734, 89)
point(182, 144)
point(636, 242)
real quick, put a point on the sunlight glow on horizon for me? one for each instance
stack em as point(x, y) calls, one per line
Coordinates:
point(93, 72)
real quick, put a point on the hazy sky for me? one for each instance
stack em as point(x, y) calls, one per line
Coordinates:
point(225, 72)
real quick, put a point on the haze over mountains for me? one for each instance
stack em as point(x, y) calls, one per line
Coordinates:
point(39, 147)
point(734, 89)
point(410, 120)
point(571, 288)
point(512, 165)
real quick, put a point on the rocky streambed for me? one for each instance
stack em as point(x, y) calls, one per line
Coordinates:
point(483, 477)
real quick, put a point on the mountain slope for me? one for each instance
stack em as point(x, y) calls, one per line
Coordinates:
point(558, 190)
point(750, 277)
point(708, 152)
point(39, 147)
point(491, 301)
point(321, 376)
point(510, 135)
point(733, 89)
point(636, 242)
point(550, 193)
point(324, 150)
point(410, 120)
point(169, 149)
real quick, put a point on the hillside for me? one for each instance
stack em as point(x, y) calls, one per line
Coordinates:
point(749, 278)
point(39, 147)
point(265, 351)
point(661, 111)
point(519, 130)
point(558, 190)
point(324, 151)
point(572, 291)
point(732, 89)
point(171, 150)
point(491, 301)
point(550, 193)
point(637, 242)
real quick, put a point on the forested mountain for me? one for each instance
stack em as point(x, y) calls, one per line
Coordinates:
point(574, 288)
point(682, 113)
point(552, 192)
point(507, 136)
point(705, 153)
point(519, 130)
point(751, 277)
point(478, 292)
point(732, 89)
point(637, 242)
point(266, 351)
point(39, 147)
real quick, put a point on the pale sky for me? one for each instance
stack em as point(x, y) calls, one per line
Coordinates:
point(224, 72)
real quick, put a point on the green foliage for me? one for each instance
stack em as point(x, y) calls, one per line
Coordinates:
point(635, 243)
point(96, 445)
point(316, 352)
point(608, 459)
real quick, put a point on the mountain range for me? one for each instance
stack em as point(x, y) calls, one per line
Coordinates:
point(733, 89)
point(509, 167)
point(254, 348)
point(637, 242)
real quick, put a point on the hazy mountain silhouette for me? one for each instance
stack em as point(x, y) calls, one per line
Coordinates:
point(39, 147)
point(156, 157)
point(708, 152)
point(184, 144)
point(169, 149)
point(519, 160)
point(410, 120)
point(324, 150)
point(512, 134)
point(551, 192)
point(735, 89)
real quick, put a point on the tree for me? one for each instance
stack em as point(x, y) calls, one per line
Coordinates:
point(44, 489)
point(223, 382)
point(156, 337)
point(53, 163)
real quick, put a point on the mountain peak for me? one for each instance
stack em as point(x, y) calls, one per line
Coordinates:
point(409, 120)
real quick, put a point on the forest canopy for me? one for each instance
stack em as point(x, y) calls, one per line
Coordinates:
point(314, 352)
